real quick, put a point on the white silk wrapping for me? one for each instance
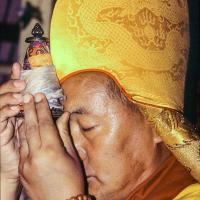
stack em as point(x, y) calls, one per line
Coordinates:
point(43, 79)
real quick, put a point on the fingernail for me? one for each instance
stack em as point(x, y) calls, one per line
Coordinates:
point(19, 122)
point(19, 84)
point(27, 98)
point(38, 98)
point(14, 108)
point(18, 96)
point(15, 65)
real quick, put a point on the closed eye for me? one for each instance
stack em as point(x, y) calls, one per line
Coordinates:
point(88, 129)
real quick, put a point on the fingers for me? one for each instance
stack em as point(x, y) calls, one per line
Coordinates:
point(19, 123)
point(31, 123)
point(7, 134)
point(24, 149)
point(10, 99)
point(12, 86)
point(39, 126)
point(48, 132)
point(44, 113)
point(7, 112)
point(15, 73)
point(62, 125)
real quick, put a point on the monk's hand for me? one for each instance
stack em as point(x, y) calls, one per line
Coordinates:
point(47, 170)
point(10, 98)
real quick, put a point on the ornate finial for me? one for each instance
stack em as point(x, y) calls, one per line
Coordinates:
point(37, 31)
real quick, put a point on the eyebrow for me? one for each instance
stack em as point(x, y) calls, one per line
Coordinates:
point(80, 111)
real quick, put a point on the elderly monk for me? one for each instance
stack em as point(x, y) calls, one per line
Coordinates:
point(122, 65)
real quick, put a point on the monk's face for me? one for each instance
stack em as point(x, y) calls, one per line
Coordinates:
point(115, 143)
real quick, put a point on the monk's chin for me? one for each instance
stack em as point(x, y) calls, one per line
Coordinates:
point(99, 190)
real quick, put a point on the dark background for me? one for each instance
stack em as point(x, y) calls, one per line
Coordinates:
point(192, 88)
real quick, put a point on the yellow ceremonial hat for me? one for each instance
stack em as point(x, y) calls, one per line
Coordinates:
point(142, 43)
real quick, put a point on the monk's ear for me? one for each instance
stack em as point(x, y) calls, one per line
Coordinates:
point(156, 138)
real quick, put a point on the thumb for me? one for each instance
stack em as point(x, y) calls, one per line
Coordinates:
point(15, 73)
point(62, 125)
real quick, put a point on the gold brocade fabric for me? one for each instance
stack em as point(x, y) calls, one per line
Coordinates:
point(143, 45)
point(179, 136)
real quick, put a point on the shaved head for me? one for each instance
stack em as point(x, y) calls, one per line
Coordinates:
point(112, 89)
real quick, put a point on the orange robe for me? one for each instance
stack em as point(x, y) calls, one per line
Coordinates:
point(165, 184)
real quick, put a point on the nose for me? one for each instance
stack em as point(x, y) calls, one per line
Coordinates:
point(82, 153)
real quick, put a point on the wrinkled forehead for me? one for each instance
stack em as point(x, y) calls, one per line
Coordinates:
point(87, 81)
point(85, 88)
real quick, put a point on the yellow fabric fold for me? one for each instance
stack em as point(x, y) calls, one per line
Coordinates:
point(191, 192)
point(180, 137)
